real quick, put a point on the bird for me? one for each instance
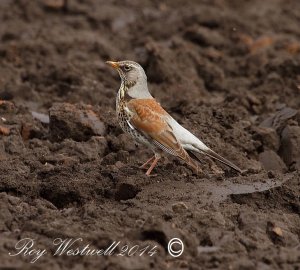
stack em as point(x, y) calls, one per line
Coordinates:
point(141, 116)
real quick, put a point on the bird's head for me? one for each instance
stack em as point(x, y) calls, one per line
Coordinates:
point(133, 77)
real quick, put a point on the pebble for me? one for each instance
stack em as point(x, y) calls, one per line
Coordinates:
point(179, 207)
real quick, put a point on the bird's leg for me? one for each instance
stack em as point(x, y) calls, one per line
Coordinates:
point(156, 159)
point(147, 162)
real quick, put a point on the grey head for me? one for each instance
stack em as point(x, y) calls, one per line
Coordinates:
point(133, 79)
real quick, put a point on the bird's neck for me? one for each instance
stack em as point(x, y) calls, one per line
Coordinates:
point(136, 90)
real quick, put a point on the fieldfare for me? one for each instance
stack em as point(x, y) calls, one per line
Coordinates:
point(140, 115)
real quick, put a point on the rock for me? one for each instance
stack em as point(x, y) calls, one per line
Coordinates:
point(274, 232)
point(290, 147)
point(179, 207)
point(78, 122)
point(126, 191)
point(271, 161)
point(277, 231)
point(268, 137)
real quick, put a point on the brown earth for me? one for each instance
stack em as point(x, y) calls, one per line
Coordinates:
point(229, 71)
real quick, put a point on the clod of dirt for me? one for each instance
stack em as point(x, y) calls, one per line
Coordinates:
point(78, 122)
point(260, 44)
point(204, 218)
point(6, 217)
point(84, 151)
point(29, 131)
point(279, 120)
point(293, 47)
point(204, 36)
point(271, 161)
point(268, 137)
point(126, 191)
point(55, 4)
point(179, 207)
point(6, 106)
point(217, 86)
point(122, 142)
point(290, 147)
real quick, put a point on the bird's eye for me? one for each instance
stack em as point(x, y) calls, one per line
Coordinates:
point(127, 67)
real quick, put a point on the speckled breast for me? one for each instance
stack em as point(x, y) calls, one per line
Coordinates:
point(123, 119)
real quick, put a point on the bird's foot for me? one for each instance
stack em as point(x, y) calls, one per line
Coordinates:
point(144, 166)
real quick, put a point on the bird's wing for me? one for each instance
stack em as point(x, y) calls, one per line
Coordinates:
point(149, 118)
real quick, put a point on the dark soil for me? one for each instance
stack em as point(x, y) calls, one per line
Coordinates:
point(229, 71)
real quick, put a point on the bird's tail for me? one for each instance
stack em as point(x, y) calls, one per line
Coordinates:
point(210, 153)
point(216, 156)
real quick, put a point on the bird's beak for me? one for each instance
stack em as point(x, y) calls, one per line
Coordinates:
point(113, 64)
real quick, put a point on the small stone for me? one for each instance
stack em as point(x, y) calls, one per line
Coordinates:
point(179, 207)
point(277, 231)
